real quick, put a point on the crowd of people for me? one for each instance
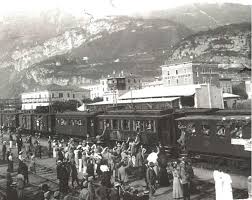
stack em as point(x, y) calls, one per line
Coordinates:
point(98, 170)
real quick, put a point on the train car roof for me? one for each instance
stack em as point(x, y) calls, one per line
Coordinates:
point(234, 112)
point(196, 110)
point(215, 117)
point(138, 112)
point(80, 113)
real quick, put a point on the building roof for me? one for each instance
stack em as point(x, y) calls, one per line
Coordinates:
point(229, 95)
point(54, 87)
point(215, 117)
point(160, 91)
point(134, 101)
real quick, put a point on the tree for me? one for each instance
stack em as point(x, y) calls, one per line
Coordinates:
point(62, 106)
point(240, 90)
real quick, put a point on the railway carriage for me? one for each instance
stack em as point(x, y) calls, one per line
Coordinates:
point(9, 119)
point(220, 139)
point(154, 126)
point(77, 124)
point(37, 123)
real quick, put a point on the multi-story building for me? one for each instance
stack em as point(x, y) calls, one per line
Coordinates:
point(97, 90)
point(52, 93)
point(226, 85)
point(119, 85)
point(113, 86)
point(190, 72)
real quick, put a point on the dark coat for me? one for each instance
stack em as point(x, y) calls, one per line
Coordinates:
point(151, 176)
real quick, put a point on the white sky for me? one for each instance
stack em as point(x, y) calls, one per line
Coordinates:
point(98, 8)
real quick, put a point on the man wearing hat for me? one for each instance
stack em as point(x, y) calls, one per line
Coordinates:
point(56, 195)
point(4, 149)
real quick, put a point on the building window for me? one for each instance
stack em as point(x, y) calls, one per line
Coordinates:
point(52, 95)
point(197, 74)
point(185, 71)
point(40, 96)
point(204, 79)
point(102, 82)
point(134, 80)
point(169, 82)
point(73, 96)
point(60, 95)
point(68, 95)
point(176, 71)
point(128, 80)
point(185, 80)
point(106, 98)
point(168, 73)
point(197, 82)
point(177, 81)
point(211, 71)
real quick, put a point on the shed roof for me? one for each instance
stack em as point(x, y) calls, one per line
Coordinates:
point(161, 91)
point(134, 101)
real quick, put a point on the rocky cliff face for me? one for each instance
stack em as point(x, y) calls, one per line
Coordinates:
point(227, 44)
point(57, 48)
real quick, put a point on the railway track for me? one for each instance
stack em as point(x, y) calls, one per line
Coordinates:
point(43, 175)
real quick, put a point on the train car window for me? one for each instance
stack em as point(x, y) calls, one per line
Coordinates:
point(150, 125)
point(138, 125)
point(106, 123)
point(221, 131)
point(101, 124)
point(205, 129)
point(63, 122)
point(115, 124)
point(236, 132)
point(125, 124)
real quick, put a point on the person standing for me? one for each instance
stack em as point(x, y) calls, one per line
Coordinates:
point(20, 186)
point(4, 150)
point(10, 139)
point(74, 174)
point(49, 147)
point(122, 172)
point(59, 175)
point(151, 178)
point(32, 164)
point(10, 162)
point(184, 179)
point(177, 192)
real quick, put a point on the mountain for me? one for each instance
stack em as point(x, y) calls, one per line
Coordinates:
point(200, 17)
point(227, 44)
point(54, 47)
point(81, 54)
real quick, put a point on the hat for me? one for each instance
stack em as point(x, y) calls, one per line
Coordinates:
point(79, 146)
point(47, 194)
point(85, 184)
point(20, 153)
point(56, 194)
point(4, 142)
point(59, 161)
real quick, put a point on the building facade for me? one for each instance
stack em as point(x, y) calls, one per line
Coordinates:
point(248, 87)
point(31, 100)
point(226, 85)
point(187, 73)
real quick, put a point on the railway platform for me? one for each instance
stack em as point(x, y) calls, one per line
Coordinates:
point(204, 183)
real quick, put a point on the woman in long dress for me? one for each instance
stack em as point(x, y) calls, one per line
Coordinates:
point(20, 187)
point(32, 164)
point(177, 189)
